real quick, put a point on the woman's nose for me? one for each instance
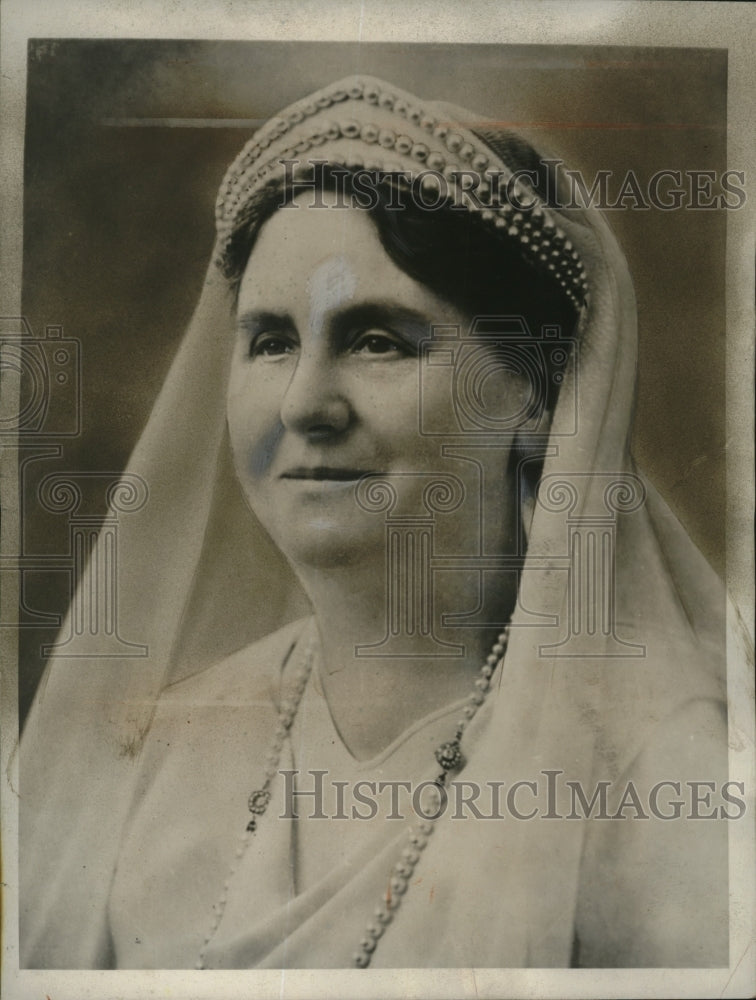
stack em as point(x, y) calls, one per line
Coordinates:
point(314, 403)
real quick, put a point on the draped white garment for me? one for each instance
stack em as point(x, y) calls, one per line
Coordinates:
point(305, 888)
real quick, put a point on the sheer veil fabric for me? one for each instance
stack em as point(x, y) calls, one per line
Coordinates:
point(199, 579)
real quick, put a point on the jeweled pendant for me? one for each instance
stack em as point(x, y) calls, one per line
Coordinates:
point(449, 755)
point(252, 826)
point(258, 801)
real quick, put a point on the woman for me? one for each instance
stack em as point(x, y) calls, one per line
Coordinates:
point(193, 809)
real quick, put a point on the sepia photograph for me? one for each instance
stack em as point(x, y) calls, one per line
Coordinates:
point(378, 472)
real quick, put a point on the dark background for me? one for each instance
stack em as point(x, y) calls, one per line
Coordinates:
point(127, 142)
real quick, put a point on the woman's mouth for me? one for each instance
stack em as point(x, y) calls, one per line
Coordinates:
point(325, 473)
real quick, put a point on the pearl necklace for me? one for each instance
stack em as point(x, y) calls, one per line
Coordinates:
point(449, 756)
point(259, 799)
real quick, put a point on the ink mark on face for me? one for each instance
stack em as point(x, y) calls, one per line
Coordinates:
point(331, 286)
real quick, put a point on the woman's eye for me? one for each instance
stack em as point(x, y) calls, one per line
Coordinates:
point(270, 345)
point(372, 343)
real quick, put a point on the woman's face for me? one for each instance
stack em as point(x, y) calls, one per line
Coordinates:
point(325, 387)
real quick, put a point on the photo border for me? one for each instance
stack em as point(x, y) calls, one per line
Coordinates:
point(705, 25)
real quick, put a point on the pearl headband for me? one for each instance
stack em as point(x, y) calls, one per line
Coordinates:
point(363, 124)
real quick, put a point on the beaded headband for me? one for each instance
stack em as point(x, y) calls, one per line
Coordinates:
point(364, 124)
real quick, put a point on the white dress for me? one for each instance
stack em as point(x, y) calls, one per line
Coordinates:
point(304, 889)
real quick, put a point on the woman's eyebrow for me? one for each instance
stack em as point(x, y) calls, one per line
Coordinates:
point(401, 319)
point(255, 321)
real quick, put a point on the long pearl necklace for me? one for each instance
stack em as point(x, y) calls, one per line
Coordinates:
point(449, 757)
point(259, 799)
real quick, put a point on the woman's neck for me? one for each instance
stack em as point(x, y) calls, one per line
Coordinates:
point(378, 681)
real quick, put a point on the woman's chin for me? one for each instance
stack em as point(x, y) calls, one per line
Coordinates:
point(330, 544)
